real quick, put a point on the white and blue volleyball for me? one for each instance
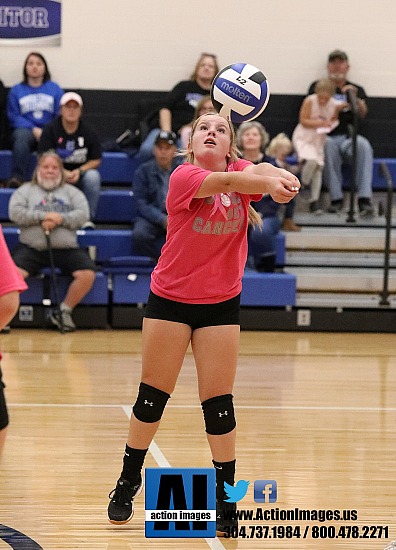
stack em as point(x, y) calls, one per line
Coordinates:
point(240, 92)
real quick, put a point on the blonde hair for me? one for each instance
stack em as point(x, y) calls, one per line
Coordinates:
point(254, 218)
point(245, 126)
point(198, 63)
point(325, 85)
point(280, 140)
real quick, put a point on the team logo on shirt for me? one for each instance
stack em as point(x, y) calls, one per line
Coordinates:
point(231, 222)
point(225, 199)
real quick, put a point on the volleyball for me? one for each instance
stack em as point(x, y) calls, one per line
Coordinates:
point(240, 92)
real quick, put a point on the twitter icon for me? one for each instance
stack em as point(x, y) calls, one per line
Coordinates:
point(235, 494)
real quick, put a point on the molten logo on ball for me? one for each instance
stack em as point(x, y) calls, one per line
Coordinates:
point(240, 92)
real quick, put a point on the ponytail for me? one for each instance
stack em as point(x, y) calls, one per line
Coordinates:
point(255, 219)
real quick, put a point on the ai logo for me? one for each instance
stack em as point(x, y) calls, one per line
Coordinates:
point(180, 502)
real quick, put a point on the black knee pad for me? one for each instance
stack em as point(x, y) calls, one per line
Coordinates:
point(150, 403)
point(219, 414)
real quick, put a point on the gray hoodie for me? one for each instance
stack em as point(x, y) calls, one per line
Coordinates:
point(30, 203)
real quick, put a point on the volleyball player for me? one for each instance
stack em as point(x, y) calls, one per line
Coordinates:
point(11, 284)
point(195, 298)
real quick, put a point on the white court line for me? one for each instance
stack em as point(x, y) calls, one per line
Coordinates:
point(238, 407)
point(162, 462)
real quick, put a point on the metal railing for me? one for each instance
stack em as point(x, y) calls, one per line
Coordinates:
point(353, 131)
point(384, 170)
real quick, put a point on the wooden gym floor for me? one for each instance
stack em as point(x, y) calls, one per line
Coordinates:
point(316, 412)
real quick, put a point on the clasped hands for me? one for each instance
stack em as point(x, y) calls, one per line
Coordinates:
point(51, 221)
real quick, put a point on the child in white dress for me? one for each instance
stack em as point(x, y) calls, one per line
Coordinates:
point(318, 116)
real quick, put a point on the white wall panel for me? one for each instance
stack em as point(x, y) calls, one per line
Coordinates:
point(152, 44)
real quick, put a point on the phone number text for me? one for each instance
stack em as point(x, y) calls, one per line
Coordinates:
point(309, 531)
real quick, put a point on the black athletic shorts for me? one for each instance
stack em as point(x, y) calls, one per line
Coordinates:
point(3, 406)
point(66, 259)
point(194, 315)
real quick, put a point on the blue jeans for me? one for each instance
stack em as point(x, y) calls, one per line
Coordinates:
point(338, 149)
point(89, 184)
point(262, 242)
point(289, 209)
point(23, 143)
point(148, 238)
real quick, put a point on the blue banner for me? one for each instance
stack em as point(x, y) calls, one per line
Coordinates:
point(29, 23)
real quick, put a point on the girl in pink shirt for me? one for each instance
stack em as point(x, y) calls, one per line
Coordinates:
point(194, 299)
point(11, 284)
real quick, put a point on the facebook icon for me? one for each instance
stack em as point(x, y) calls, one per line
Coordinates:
point(265, 490)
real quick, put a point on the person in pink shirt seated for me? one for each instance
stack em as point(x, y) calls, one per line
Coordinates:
point(195, 299)
point(11, 284)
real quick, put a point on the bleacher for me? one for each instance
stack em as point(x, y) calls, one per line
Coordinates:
point(117, 169)
point(122, 282)
point(123, 279)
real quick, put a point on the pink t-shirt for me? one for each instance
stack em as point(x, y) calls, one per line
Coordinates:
point(204, 256)
point(10, 278)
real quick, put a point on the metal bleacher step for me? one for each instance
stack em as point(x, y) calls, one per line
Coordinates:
point(333, 279)
point(340, 266)
point(344, 238)
point(313, 258)
point(342, 300)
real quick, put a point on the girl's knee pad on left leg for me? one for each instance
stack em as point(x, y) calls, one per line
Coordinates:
point(219, 414)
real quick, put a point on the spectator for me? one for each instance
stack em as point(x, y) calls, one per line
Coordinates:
point(30, 106)
point(278, 151)
point(338, 146)
point(252, 139)
point(48, 204)
point(79, 147)
point(318, 116)
point(11, 284)
point(181, 102)
point(204, 105)
point(150, 187)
